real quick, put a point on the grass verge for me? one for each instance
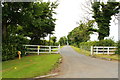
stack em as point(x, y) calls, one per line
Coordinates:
point(30, 66)
point(103, 56)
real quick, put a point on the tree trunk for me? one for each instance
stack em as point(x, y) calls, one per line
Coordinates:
point(4, 32)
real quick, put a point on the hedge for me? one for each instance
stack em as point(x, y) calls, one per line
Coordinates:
point(12, 46)
point(87, 45)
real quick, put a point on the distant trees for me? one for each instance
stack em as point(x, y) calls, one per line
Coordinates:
point(63, 41)
point(23, 20)
point(81, 33)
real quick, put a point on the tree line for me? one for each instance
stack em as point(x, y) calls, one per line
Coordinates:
point(102, 13)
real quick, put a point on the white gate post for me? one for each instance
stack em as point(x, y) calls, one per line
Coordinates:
point(49, 49)
point(59, 48)
point(25, 50)
point(91, 50)
point(108, 50)
point(38, 49)
point(97, 50)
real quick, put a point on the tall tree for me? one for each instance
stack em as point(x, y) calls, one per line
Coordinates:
point(102, 15)
point(35, 18)
point(14, 14)
point(21, 20)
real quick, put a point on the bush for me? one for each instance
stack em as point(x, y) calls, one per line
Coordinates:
point(12, 46)
point(107, 42)
point(87, 45)
point(8, 51)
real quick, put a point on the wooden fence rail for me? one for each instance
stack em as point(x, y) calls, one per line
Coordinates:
point(103, 50)
point(41, 49)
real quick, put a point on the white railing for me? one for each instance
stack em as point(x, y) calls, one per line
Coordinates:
point(41, 49)
point(102, 50)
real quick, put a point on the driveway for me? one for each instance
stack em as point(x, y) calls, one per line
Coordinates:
point(76, 65)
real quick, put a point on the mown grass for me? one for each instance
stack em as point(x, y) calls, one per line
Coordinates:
point(29, 66)
point(87, 53)
point(57, 48)
point(81, 51)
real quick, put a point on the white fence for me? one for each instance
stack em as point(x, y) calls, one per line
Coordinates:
point(102, 50)
point(41, 49)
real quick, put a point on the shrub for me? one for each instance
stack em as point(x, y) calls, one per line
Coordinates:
point(12, 46)
point(107, 42)
point(87, 45)
point(8, 51)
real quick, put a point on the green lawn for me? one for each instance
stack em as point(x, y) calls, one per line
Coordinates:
point(30, 66)
point(81, 51)
point(87, 53)
point(57, 48)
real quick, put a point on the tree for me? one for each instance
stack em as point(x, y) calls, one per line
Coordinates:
point(36, 19)
point(63, 41)
point(21, 20)
point(14, 14)
point(54, 39)
point(81, 33)
point(43, 24)
point(102, 15)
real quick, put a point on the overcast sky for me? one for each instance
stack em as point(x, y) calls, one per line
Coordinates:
point(69, 12)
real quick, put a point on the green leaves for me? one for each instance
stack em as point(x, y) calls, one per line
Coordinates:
point(102, 15)
point(81, 33)
point(26, 19)
point(63, 40)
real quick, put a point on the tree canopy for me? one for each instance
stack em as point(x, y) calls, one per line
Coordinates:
point(102, 15)
point(34, 20)
point(63, 41)
point(23, 20)
point(81, 33)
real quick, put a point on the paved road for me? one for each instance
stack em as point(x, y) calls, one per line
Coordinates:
point(76, 65)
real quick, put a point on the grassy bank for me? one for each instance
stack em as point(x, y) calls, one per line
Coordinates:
point(29, 66)
point(87, 53)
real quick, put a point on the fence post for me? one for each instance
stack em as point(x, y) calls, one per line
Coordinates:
point(108, 50)
point(59, 48)
point(91, 50)
point(25, 49)
point(49, 49)
point(97, 50)
point(38, 49)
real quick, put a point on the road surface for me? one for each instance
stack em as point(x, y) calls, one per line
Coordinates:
point(75, 65)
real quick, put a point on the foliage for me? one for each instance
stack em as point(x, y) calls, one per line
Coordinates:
point(54, 39)
point(63, 41)
point(34, 65)
point(102, 15)
point(21, 20)
point(14, 44)
point(35, 18)
point(87, 45)
point(81, 33)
